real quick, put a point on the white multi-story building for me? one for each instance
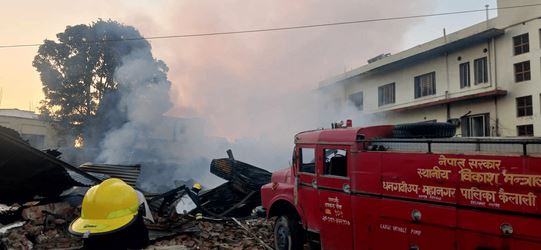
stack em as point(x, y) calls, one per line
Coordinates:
point(485, 78)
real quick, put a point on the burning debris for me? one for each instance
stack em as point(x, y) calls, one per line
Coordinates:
point(240, 195)
point(182, 218)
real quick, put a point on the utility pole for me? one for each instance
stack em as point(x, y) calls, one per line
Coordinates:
point(486, 13)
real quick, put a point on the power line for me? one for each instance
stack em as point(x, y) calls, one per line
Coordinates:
point(286, 27)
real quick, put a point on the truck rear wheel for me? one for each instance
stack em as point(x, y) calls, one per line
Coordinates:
point(287, 233)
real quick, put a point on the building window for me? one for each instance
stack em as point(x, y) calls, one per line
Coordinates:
point(524, 106)
point(481, 70)
point(464, 75)
point(357, 100)
point(522, 71)
point(525, 130)
point(521, 44)
point(425, 85)
point(475, 125)
point(386, 94)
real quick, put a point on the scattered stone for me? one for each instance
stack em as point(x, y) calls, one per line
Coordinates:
point(45, 228)
point(222, 235)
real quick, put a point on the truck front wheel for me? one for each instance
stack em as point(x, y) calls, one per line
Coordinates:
point(287, 233)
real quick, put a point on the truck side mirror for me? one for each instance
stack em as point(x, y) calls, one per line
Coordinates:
point(294, 156)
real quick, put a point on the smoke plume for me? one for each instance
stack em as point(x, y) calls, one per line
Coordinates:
point(249, 92)
point(258, 90)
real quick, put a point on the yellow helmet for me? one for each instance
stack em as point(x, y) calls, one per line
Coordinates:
point(197, 186)
point(106, 207)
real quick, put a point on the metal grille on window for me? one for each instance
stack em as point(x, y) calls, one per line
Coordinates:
point(522, 71)
point(386, 94)
point(521, 44)
point(464, 75)
point(481, 71)
point(425, 85)
point(525, 130)
point(524, 106)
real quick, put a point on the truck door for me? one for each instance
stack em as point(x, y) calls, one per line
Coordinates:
point(334, 197)
point(306, 185)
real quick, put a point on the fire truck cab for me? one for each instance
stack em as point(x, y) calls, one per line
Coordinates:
point(392, 187)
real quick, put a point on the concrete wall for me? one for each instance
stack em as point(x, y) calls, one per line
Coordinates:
point(505, 68)
point(515, 15)
point(32, 130)
point(445, 67)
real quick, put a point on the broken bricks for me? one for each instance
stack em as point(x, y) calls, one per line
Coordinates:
point(45, 228)
point(225, 234)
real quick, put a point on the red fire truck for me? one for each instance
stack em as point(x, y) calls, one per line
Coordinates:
point(406, 187)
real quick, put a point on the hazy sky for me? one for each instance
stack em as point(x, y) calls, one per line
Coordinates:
point(236, 75)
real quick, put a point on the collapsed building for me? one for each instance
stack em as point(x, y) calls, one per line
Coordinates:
point(40, 195)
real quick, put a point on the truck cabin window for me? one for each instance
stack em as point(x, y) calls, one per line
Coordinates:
point(335, 162)
point(307, 160)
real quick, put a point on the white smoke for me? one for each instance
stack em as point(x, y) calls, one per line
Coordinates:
point(144, 97)
point(251, 93)
point(258, 90)
point(168, 148)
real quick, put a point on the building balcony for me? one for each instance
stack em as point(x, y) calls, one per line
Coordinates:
point(479, 95)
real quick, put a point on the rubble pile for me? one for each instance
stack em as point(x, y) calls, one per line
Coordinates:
point(225, 234)
point(35, 236)
point(51, 191)
point(43, 223)
point(44, 227)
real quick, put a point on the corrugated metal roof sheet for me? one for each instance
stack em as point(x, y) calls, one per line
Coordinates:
point(128, 173)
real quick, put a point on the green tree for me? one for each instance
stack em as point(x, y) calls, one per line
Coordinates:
point(77, 71)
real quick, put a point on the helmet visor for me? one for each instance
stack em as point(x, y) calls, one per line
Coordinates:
point(82, 226)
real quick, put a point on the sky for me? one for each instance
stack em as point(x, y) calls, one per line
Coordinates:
point(231, 79)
